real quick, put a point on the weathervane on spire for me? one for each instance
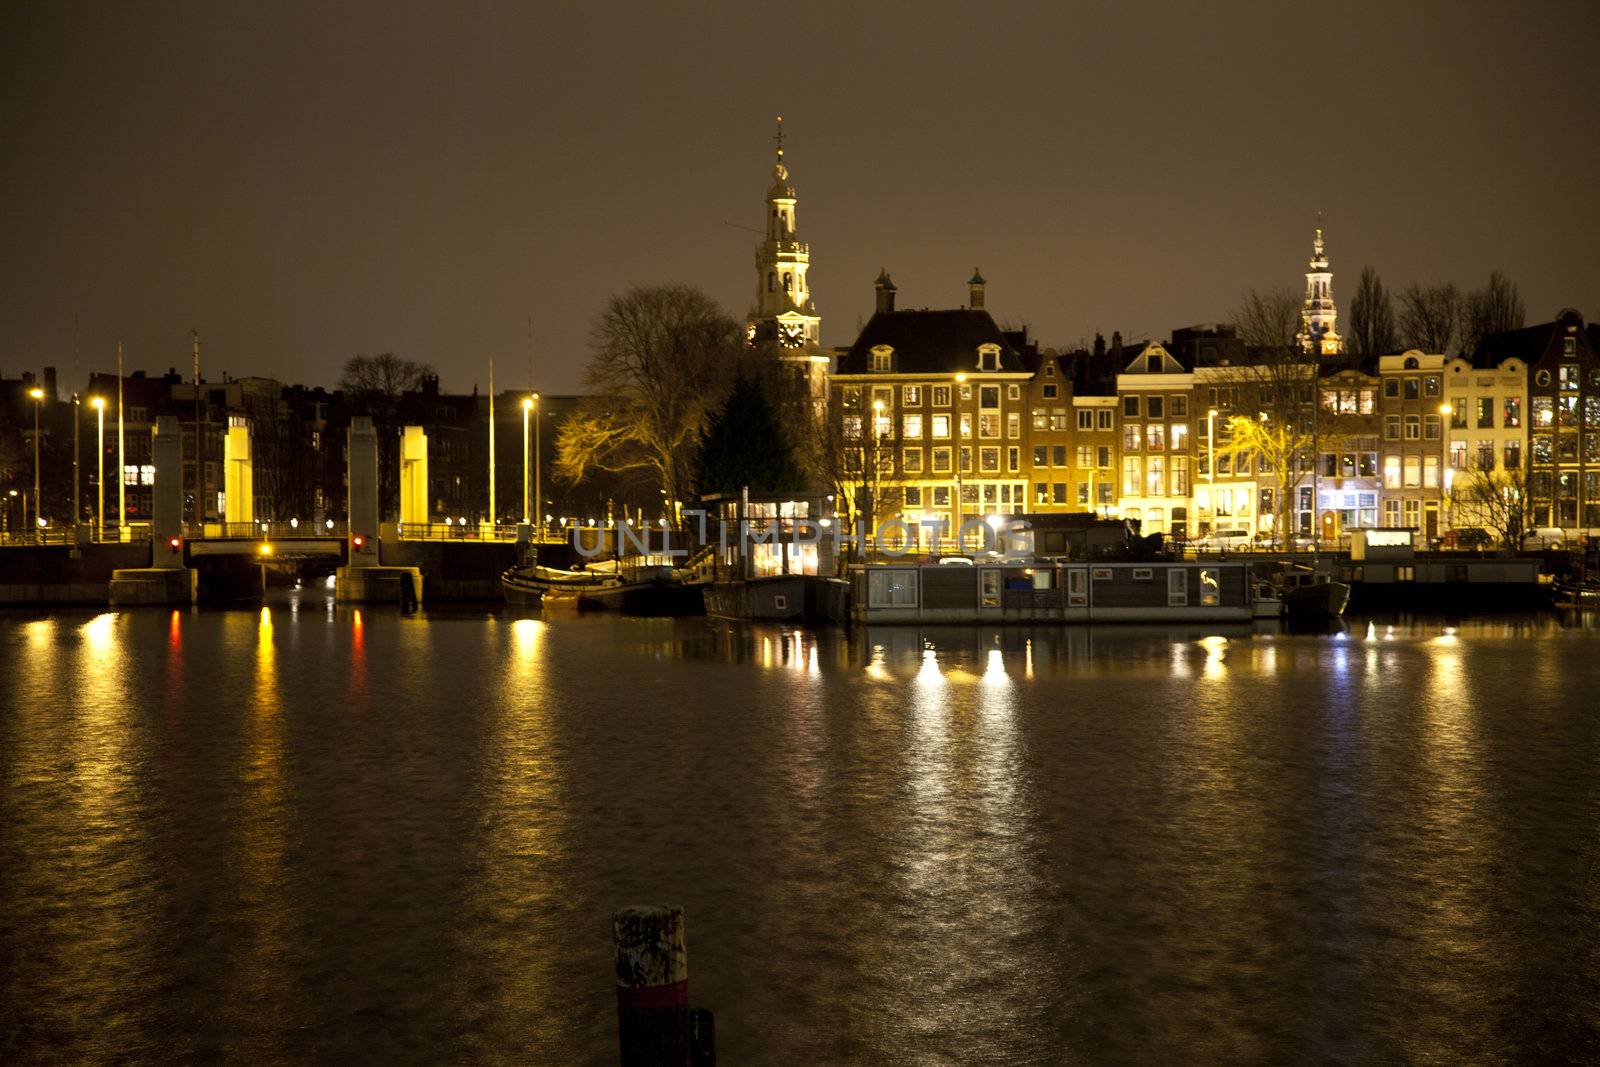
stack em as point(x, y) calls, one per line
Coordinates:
point(779, 138)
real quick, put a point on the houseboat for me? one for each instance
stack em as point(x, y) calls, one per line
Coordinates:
point(774, 560)
point(1385, 571)
point(1012, 591)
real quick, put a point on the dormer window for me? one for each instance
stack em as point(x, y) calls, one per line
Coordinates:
point(1049, 370)
point(989, 357)
point(882, 359)
point(1152, 364)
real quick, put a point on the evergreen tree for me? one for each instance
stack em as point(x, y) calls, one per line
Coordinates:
point(744, 446)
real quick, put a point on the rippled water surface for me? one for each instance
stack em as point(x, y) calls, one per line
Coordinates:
point(308, 833)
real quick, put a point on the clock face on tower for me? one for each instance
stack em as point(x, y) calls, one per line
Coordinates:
point(792, 334)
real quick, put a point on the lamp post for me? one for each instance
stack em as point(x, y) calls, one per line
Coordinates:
point(538, 486)
point(77, 406)
point(961, 493)
point(1445, 411)
point(877, 445)
point(122, 478)
point(38, 402)
point(99, 405)
point(494, 516)
point(527, 412)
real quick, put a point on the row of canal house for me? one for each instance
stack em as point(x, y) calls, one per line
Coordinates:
point(947, 417)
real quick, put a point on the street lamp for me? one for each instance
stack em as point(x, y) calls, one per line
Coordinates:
point(1211, 446)
point(38, 403)
point(527, 411)
point(877, 446)
point(961, 499)
point(99, 405)
point(538, 469)
point(1445, 411)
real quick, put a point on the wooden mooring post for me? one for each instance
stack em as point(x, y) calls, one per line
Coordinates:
point(655, 1025)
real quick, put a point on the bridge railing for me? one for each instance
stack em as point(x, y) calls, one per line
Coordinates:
point(65, 535)
point(455, 531)
point(265, 531)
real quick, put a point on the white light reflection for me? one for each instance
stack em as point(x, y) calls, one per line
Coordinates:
point(1216, 646)
point(994, 670)
point(875, 668)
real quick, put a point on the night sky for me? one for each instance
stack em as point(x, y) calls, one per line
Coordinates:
point(305, 181)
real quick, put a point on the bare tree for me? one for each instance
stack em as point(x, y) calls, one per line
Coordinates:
point(1274, 412)
point(1371, 317)
point(373, 386)
point(663, 358)
point(1496, 501)
point(1429, 315)
point(378, 382)
point(1493, 309)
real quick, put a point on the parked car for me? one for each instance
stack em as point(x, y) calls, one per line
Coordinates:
point(1472, 538)
point(1298, 542)
point(1542, 537)
point(1229, 540)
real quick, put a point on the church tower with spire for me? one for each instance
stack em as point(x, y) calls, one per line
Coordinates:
point(784, 312)
point(1319, 316)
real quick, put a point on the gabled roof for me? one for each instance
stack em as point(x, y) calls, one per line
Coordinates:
point(1170, 363)
point(930, 342)
point(1526, 344)
point(1531, 343)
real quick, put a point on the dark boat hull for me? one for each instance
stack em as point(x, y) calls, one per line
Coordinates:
point(1322, 600)
point(798, 598)
point(653, 598)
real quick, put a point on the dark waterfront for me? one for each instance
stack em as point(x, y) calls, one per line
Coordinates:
point(342, 835)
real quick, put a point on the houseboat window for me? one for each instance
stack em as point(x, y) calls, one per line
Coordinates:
point(1142, 574)
point(1102, 574)
point(1209, 588)
point(1178, 587)
point(892, 588)
point(989, 588)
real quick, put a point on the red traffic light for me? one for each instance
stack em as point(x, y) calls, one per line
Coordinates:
point(173, 543)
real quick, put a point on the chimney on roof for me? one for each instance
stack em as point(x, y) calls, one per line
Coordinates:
point(885, 289)
point(1116, 343)
point(975, 285)
point(1099, 345)
point(50, 383)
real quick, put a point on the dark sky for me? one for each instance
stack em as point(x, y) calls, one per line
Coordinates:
point(305, 181)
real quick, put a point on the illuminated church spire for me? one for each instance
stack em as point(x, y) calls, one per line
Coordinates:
point(784, 311)
point(1319, 316)
point(781, 264)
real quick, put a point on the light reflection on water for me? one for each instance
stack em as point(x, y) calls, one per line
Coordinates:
point(313, 831)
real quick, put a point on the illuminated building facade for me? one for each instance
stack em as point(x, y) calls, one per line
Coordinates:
point(931, 408)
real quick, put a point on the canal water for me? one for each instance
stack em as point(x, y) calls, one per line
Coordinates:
point(310, 832)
